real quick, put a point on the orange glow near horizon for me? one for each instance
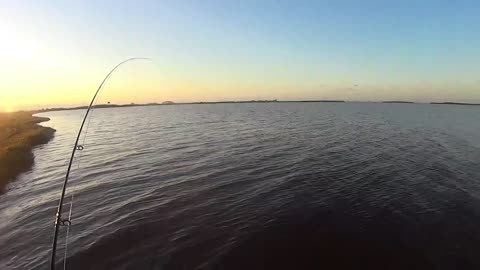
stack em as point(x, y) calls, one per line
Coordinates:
point(8, 109)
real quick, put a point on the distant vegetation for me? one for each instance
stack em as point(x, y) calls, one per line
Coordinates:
point(108, 105)
point(397, 101)
point(326, 100)
point(455, 103)
point(19, 133)
point(152, 104)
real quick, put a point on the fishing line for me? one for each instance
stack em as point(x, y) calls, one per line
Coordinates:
point(79, 158)
point(59, 221)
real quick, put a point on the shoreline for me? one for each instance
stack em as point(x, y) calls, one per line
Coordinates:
point(169, 103)
point(19, 134)
point(455, 103)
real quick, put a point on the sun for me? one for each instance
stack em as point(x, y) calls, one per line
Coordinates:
point(6, 107)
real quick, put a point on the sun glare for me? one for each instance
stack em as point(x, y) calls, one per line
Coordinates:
point(6, 107)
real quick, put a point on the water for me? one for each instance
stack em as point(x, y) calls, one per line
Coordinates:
point(252, 186)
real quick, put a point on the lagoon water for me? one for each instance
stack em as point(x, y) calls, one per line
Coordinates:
point(255, 186)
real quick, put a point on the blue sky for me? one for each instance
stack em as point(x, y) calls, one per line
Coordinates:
point(214, 50)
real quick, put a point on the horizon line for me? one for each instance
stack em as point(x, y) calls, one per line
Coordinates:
point(171, 103)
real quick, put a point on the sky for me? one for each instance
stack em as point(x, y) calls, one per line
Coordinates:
point(55, 53)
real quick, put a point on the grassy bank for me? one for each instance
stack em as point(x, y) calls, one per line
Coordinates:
point(19, 133)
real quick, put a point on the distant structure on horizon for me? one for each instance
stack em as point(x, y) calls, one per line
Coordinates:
point(168, 103)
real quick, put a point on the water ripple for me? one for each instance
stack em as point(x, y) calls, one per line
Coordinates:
point(255, 186)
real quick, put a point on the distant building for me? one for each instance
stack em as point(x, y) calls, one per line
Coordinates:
point(168, 102)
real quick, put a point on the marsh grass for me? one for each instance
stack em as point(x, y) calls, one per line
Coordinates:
point(19, 133)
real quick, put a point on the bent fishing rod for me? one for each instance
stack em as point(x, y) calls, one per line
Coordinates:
point(59, 221)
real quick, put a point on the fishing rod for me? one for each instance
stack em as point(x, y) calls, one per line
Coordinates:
point(59, 221)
